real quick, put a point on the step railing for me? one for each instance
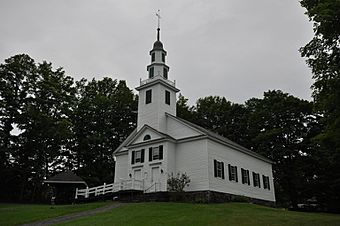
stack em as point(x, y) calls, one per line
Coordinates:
point(131, 184)
point(153, 188)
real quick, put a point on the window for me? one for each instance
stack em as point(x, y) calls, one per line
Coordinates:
point(256, 180)
point(147, 137)
point(137, 156)
point(163, 57)
point(156, 153)
point(266, 184)
point(152, 57)
point(233, 173)
point(245, 176)
point(151, 72)
point(219, 169)
point(167, 97)
point(148, 96)
point(165, 73)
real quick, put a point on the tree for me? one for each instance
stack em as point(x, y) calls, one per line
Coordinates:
point(103, 118)
point(36, 101)
point(323, 57)
point(223, 117)
point(280, 127)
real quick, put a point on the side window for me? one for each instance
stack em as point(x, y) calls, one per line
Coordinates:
point(218, 169)
point(167, 97)
point(245, 176)
point(266, 184)
point(148, 96)
point(233, 173)
point(256, 179)
point(163, 57)
point(152, 57)
point(151, 72)
point(147, 137)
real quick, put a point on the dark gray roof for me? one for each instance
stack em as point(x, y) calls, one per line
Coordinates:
point(221, 138)
point(67, 177)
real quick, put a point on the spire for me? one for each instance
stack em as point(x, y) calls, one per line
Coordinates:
point(158, 14)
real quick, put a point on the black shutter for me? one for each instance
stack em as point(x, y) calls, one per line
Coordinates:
point(248, 177)
point(222, 170)
point(264, 182)
point(258, 176)
point(160, 151)
point(229, 170)
point(133, 157)
point(150, 154)
point(142, 155)
point(215, 168)
point(268, 183)
point(236, 173)
point(254, 179)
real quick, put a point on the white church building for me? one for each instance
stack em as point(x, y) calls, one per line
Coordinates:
point(164, 144)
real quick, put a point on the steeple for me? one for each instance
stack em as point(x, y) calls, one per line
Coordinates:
point(158, 54)
point(157, 94)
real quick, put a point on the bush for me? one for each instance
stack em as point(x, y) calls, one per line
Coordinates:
point(178, 183)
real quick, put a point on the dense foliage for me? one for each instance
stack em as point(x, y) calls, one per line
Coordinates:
point(49, 123)
point(323, 57)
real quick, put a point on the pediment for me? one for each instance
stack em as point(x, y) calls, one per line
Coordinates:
point(145, 134)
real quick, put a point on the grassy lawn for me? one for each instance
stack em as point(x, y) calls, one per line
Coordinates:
point(15, 214)
point(240, 214)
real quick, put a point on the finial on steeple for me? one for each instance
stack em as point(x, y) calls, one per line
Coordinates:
point(158, 14)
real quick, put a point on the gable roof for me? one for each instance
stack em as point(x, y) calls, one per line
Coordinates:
point(67, 177)
point(217, 137)
point(126, 141)
point(134, 135)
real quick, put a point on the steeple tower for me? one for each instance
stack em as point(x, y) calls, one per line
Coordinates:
point(158, 54)
point(157, 94)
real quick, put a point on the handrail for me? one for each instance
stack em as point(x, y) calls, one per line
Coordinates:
point(110, 188)
point(153, 185)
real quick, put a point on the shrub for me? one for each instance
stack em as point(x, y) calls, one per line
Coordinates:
point(179, 182)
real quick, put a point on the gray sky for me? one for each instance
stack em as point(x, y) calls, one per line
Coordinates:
point(232, 48)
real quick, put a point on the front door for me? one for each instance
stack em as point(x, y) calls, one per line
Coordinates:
point(154, 174)
point(137, 174)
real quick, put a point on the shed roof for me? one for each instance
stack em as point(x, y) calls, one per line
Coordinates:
point(67, 177)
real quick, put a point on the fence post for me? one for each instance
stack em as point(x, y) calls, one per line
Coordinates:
point(76, 194)
point(103, 193)
point(87, 192)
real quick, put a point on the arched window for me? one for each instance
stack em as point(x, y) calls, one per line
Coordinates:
point(147, 137)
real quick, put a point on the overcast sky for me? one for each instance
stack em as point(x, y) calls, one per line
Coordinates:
point(232, 48)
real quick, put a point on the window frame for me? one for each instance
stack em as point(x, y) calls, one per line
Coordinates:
point(167, 97)
point(151, 72)
point(266, 183)
point(138, 159)
point(156, 153)
point(165, 73)
point(256, 180)
point(245, 176)
point(148, 96)
point(233, 174)
point(219, 169)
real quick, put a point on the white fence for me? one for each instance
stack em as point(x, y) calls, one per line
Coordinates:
point(115, 187)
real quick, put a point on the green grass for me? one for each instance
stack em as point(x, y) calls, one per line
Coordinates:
point(15, 214)
point(240, 214)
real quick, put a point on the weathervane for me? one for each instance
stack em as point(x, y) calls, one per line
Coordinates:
point(158, 14)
